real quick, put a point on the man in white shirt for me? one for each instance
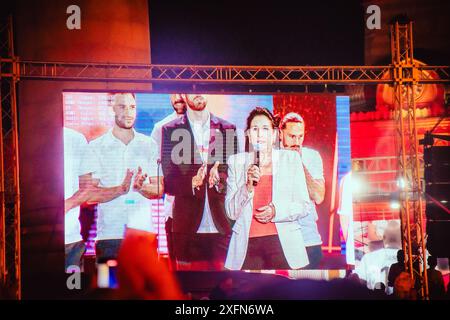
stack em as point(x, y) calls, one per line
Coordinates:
point(116, 167)
point(345, 212)
point(374, 266)
point(292, 128)
point(75, 146)
point(179, 107)
point(195, 148)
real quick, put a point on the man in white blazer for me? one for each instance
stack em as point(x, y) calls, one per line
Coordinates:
point(288, 200)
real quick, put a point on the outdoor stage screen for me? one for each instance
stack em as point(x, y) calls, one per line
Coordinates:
point(210, 215)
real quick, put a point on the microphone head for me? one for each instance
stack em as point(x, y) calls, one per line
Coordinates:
point(257, 148)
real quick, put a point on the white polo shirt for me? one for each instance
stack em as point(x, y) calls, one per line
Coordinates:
point(156, 134)
point(157, 137)
point(312, 160)
point(75, 146)
point(108, 159)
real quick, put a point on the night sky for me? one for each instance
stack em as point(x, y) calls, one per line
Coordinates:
point(257, 32)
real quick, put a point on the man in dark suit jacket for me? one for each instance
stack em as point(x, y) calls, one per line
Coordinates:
point(195, 148)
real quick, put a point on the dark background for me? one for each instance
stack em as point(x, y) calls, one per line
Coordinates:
point(257, 32)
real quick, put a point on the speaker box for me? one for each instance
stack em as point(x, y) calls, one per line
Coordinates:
point(437, 186)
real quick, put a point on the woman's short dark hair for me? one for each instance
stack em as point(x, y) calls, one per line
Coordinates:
point(261, 111)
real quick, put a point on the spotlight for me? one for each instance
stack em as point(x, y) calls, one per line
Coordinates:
point(394, 204)
point(401, 183)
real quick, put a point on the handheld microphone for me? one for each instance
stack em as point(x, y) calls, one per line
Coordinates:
point(257, 147)
point(158, 163)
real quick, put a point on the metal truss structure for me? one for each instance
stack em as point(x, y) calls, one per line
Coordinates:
point(252, 75)
point(404, 74)
point(410, 187)
point(9, 170)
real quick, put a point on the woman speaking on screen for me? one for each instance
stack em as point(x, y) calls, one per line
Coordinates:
point(266, 195)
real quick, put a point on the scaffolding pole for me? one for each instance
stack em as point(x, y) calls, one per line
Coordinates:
point(406, 77)
point(10, 272)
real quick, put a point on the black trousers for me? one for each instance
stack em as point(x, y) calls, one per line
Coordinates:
point(200, 246)
point(107, 249)
point(314, 256)
point(265, 253)
point(169, 237)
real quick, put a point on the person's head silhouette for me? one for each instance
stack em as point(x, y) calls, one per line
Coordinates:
point(400, 256)
point(392, 235)
point(432, 262)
